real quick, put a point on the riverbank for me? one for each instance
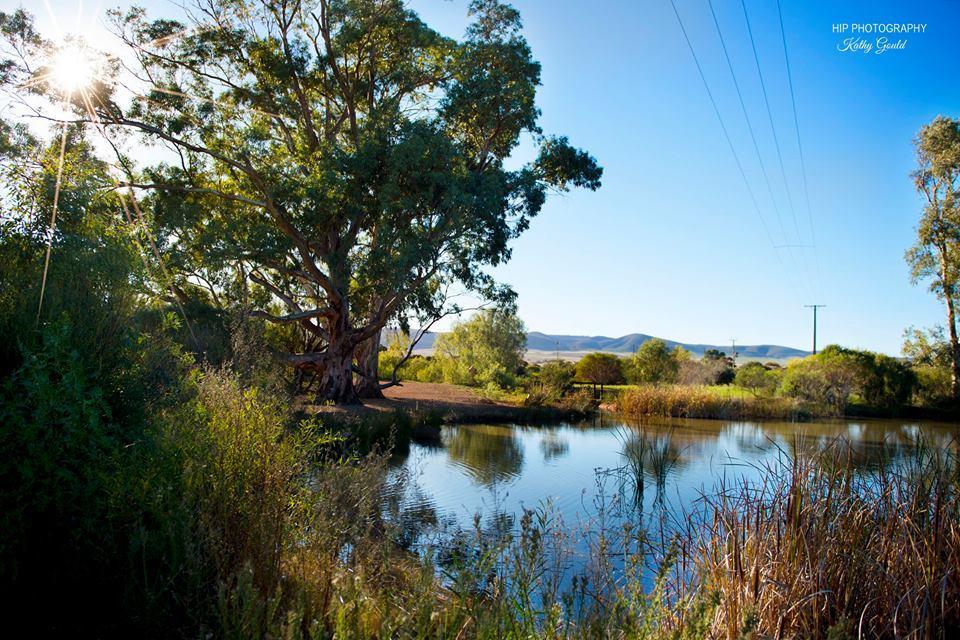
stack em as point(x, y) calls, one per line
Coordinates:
point(418, 409)
point(731, 403)
point(448, 403)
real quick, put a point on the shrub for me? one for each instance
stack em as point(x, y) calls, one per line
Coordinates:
point(487, 350)
point(833, 375)
point(756, 378)
point(933, 385)
point(557, 377)
point(703, 372)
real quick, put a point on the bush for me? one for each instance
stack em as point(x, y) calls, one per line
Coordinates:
point(830, 377)
point(933, 385)
point(600, 369)
point(485, 351)
point(655, 363)
point(756, 378)
point(557, 377)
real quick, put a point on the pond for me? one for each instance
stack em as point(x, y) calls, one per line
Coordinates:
point(654, 471)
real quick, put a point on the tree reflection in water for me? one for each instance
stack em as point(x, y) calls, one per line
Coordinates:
point(553, 446)
point(489, 454)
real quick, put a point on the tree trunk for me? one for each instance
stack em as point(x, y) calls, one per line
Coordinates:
point(368, 362)
point(954, 348)
point(948, 289)
point(336, 377)
point(336, 371)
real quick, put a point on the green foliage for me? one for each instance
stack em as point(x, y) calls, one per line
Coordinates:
point(930, 347)
point(936, 255)
point(307, 188)
point(933, 385)
point(600, 368)
point(757, 378)
point(557, 376)
point(886, 382)
point(655, 363)
point(486, 350)
point(833, 375)
point(398, 343)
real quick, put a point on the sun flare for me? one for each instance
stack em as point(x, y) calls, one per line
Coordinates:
point(73, 68)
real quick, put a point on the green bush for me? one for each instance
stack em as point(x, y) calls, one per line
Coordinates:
point(933, 385)
point(557, 377)
point(756, 378)
point(484, 351)
point(832, 376)
point(600, 369)
point(655, 363)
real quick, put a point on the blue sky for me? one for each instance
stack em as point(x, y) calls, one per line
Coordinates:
point(671, 245)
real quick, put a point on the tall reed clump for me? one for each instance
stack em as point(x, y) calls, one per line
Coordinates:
point(679, 401)
point(819, 551)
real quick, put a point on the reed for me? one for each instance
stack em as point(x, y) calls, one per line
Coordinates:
point(680, 401)
point(820, 551)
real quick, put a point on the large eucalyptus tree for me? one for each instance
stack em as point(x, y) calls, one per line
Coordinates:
point(346, 156)
point(936, 254)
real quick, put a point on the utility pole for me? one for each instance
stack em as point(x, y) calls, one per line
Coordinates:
point(814, 307)
point(733, 342)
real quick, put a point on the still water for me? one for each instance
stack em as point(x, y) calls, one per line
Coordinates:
point(627, 470)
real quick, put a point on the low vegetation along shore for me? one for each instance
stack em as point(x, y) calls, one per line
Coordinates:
point(705, 402)
point(231, 518)
point(486, 354)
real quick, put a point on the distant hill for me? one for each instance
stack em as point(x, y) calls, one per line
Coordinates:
point(537, 341)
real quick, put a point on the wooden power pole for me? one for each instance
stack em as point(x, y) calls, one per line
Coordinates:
point(814, 307)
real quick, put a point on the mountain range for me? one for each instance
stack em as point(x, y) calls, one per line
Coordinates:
point(537, 341)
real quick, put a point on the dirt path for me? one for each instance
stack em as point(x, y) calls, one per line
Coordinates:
point(453, 402)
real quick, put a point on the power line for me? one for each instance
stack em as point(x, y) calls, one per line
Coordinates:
point(773, 128)
point(753, 139)
point(803, 164)
point(726, 135)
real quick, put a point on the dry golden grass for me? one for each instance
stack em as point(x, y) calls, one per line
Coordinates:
point(678, 401)
point(818, 551)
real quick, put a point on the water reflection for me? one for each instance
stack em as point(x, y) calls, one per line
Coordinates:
point(652, 468)
point(649, 454)
point(553, 446)
point(490, 454)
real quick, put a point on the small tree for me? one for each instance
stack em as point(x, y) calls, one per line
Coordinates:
point(655, 363)
point(720, 365)
point(756, 378)
point(487, 350)
point(827, 378)
point(600, 369)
